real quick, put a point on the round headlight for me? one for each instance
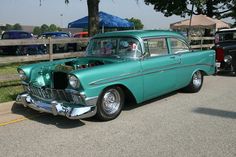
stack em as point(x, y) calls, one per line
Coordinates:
point(73, 81)
point(228, 59)
point(22, 75)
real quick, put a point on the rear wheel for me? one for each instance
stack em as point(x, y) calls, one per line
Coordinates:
point(196, 83)
point(110, 103)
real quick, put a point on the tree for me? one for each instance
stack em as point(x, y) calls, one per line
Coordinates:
point(211, 8)
point(8, 27)
point(37, 31)
point(137, 23)
point(17, 26)
point(53, 28)
point(44, 28)
point(93, 9)
point(232, 13)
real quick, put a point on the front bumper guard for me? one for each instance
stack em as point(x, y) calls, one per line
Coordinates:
point(57, 108)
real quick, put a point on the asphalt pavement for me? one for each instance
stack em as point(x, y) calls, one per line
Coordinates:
point(175, 125)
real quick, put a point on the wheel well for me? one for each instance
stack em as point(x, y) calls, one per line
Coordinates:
point(203, 73)
point(129, 97)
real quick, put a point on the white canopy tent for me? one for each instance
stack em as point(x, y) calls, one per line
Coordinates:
point(200, 21)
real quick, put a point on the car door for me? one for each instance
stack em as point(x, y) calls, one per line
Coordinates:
point(186, 67)
point(159, 75)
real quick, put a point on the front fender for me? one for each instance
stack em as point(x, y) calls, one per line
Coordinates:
point(95, 80)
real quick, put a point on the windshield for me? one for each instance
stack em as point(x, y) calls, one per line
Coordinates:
point(114, 47)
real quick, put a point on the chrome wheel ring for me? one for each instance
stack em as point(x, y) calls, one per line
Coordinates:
point(111, 101)
point(197, 79)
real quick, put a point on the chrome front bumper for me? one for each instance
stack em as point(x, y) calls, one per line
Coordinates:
point(56, 108)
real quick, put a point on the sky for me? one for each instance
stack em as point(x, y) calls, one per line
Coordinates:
point(29, 12)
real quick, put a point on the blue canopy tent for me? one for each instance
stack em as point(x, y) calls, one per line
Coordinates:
point(105, 21)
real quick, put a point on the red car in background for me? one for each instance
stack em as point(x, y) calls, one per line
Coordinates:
point(83, 45)
point(81, 35)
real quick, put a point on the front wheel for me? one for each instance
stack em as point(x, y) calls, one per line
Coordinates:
point(196, 83)
point(110, 103)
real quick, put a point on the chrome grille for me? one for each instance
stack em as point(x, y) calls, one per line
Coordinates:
point(53, 94)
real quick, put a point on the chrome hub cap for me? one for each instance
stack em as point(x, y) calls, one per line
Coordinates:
point(111, 101)
point(197, 79)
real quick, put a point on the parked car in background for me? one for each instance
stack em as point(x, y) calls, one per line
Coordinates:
point(81, 35)
point(59, 48)
point(83, 45)
point(20, 50)
point(118, 66)
point(225, 47)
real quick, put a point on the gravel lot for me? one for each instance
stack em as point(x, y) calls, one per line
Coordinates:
point(176, 125)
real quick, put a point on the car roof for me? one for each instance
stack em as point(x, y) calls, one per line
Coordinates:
point(16, 31)
point(54, 33)
point(81, 33)
point(141, 33)
point(226, 30)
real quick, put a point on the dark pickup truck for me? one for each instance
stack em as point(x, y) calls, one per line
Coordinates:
point(225, 47)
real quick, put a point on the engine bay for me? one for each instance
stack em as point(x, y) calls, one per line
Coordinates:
point(75, 65)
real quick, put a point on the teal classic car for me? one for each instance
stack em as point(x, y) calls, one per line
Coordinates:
point(134, 65)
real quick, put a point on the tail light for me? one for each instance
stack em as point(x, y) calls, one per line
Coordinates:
point(219, 55)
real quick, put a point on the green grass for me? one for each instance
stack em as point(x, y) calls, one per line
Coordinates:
point(8, 69)
point(11, 68)
point(9, 90)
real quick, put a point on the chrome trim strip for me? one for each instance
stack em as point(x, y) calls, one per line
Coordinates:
point(167, 69)
point(163, 67)
point(111, 79)
point(145, 72)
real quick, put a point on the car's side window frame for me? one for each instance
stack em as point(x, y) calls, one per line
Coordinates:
point(146, 42)
point(180, 40)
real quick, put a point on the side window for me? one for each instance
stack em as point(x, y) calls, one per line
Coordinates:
point(23, 35)
point(178, 46)
point(156, 47)
point(130, 47)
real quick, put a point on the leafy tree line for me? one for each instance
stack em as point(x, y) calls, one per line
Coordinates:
point(9, 27)
point(36, 31)
point(45, 28)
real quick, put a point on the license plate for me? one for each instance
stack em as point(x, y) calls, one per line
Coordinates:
point(217, 64)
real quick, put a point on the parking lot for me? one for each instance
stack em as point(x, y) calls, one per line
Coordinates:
point(178, 124)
